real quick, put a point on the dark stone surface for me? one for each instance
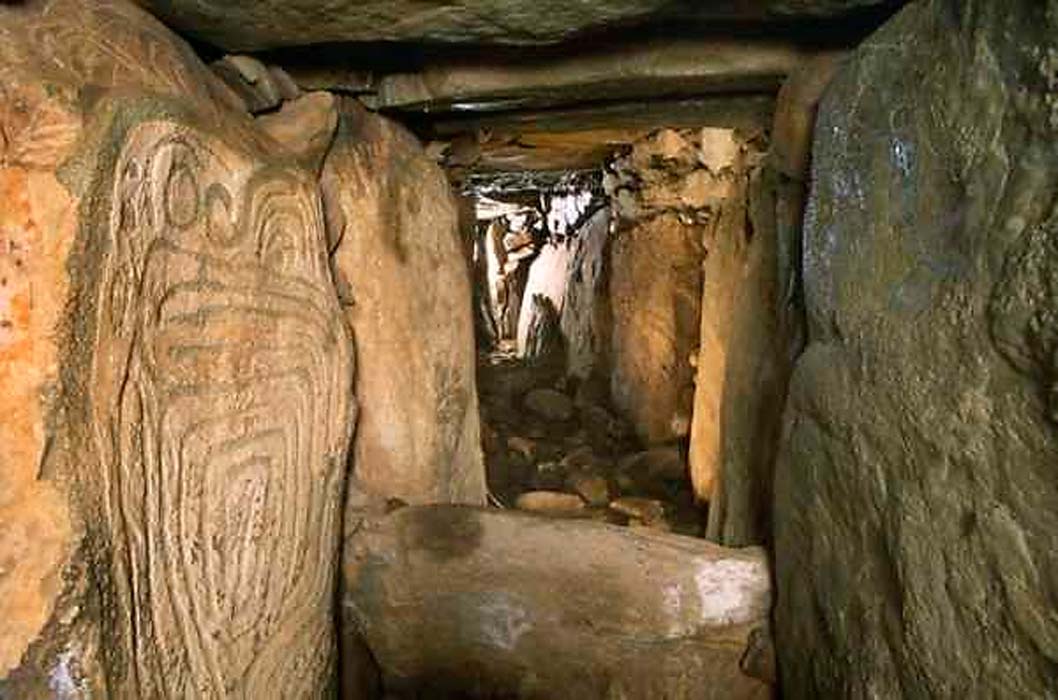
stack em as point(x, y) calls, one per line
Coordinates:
point(253, 24)
point(916, 498)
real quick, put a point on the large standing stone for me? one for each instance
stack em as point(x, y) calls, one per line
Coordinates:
point(548, 277)
point(655, 294)
point(748, 337)
point(470, 603)
point(916, 502)
point(177, 376)
point(585, 319)
point(741, 377)
point(664, 199)
point(405, 286)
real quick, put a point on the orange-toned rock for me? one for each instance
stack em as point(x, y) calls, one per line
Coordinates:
point(553, 503)
point(655, 296)
point(748, 337)
point(37, 228)
point(304, 125)
point(176, 408)
point(667, 194)
point(405, 288)
point(795, 113)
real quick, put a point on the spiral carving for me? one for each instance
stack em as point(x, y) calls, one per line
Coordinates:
point(222, 399)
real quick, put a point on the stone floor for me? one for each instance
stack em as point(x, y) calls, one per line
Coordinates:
point(553, 446)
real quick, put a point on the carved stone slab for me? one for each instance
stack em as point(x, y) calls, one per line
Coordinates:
point(177, 400)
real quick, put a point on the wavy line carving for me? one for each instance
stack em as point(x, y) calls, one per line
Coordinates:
point(223, 412)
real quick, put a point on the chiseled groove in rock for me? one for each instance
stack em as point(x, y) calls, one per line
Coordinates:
point(223, 409)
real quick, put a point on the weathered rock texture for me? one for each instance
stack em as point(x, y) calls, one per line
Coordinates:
point(584, 137)
point(795, 114)
point(405, 287)
point(671, 67)
point(472, 603)
point(753, 318)
point(916, 499)
point(661, 192)
point(177, 376)
point(655, 296)
point(305, 126)
point(251, 81)
point(585, 318)
point(253, 24)
point(745, 359)
point(548, 275)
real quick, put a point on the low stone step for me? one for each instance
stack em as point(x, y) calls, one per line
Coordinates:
point(460, 601)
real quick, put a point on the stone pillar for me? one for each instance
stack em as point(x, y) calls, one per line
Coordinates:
point(655, 284)
point(916, 502)
point(406, 295)
point(753, 318)
point(585, 318)
point(178, 373)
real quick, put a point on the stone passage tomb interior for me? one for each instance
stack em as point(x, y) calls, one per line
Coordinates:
point(528, 349)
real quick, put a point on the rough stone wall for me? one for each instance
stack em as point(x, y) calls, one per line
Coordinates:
point(741, 364)
point(405, 290)
point(700, 329)
point(916, 499)
point(585, 320)
point(177, 375)
point(752, 316)
point(655, 282)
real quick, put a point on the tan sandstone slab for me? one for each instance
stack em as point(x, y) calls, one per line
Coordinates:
point(405, 289)
point(490, 603)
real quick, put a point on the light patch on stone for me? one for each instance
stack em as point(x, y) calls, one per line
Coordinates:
point(503, 621)
point(61, 680)
point(719, 149)
point(730, 592)
point(672, 595)
point(902, 156)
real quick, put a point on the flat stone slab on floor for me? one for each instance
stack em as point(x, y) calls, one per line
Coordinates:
point(490, 603)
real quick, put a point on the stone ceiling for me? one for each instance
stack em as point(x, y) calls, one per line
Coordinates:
point(528, 85)
point(254, 25)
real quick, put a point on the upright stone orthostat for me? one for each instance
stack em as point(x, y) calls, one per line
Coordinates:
point(188, 387)
point(585, 309)
point(405, 286)
point(916, 498)
point(655, 287)
point(220, 394)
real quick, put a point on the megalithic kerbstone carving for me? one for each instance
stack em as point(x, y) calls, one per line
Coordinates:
point(221, 396)
point(189, 385)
